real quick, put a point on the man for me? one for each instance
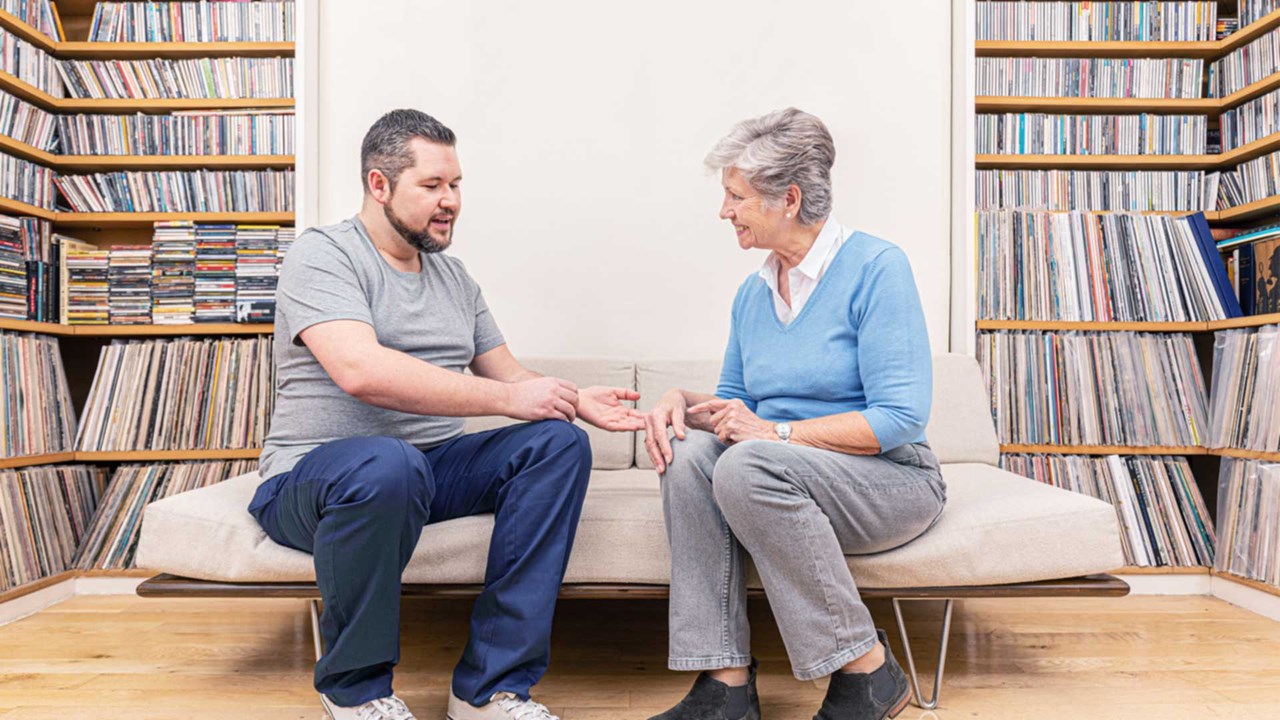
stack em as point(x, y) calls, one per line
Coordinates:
point(373, 329)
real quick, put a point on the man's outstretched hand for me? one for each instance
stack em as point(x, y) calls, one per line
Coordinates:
point(602, 406)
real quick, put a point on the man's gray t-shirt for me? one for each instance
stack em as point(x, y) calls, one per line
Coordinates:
point(437, 315)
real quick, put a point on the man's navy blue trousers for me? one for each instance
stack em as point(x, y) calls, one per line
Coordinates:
point(359, 505)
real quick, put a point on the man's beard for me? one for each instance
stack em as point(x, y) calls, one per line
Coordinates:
point(420, 239)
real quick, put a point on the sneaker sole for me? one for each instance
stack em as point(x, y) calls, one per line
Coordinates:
point(902, 704)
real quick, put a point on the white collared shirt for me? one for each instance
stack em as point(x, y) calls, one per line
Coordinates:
point(803, 278)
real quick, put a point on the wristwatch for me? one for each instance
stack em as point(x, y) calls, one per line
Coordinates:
point(784, 431)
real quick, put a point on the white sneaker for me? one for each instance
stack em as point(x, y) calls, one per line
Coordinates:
point(387, 708)
point(502, 706)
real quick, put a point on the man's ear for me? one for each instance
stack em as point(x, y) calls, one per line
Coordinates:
point(379, 186)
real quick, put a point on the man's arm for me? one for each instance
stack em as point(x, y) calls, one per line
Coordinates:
point(499, 364)
point(363, 368)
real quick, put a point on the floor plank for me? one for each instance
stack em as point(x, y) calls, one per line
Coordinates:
point(106, 657)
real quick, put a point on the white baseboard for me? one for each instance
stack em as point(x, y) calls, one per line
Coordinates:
point(1265, 604)
point(32, 603)
point(1168, 584)
point(107, 585)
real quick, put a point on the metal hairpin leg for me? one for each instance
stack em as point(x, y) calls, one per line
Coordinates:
point(315, 627)
point(911, 662)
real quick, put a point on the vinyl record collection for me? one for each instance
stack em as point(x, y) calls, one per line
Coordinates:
point(1082, 266)
point(112, 539)
point(179, 394)
point(1046, 134)
point(191, 132)
point(45, 513)
point(1090, 77)
point(27, 123)
point(1097, 21)
point(220, 77)
point(1249, 519)
point(1097, 190)
point(1163, 519)
point(1086, 388)
point(192, 22)
point(1244, 409)
point(36, 415)
point(180, 191)
point(1250, 64)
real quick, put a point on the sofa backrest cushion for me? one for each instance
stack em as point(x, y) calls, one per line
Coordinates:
point(960, 428)
point(610, 451)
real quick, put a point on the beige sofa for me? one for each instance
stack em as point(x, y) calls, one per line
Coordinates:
point(998, 530)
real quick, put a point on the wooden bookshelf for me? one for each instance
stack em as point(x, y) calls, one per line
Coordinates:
point(17, 207)
point(36, 585)
point(133, 105)
point(100, 163)
point(75, 50)
point(1248, 211)
point(10, 22)
point(1099, 449)
point(21, 461)
point(1247, 321)
point(1247, 582)
point(172, 330)
point(36, 327)
point(1202, 49)
point(158, 456)
point(1069, 325)
point(119, 220)
point(1077, 105)
point(116, 573)
point(1097, 162)
point(1242, 454)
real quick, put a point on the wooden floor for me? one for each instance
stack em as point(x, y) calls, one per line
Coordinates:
point(1137, 657)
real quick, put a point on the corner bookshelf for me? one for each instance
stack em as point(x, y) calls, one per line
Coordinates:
point(1204, 461)
point(80, 344)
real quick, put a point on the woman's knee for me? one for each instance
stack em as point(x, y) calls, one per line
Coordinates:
point(746, 472)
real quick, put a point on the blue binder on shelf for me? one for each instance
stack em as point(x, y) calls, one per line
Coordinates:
point(1213, 261)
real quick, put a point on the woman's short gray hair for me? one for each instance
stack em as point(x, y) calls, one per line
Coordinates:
point(778, 150)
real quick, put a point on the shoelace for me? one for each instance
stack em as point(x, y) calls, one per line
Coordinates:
point(387, 708)
point(524, 709)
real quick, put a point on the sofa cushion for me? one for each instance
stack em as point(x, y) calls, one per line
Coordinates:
point(997, 528)
point(609, 451)
point(960, 427)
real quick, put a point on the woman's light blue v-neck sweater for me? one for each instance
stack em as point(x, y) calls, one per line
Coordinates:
point(859, 344)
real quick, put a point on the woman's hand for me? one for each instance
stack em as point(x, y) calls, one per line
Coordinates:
point(668, 412)
point(733, 422)
point(602, 407)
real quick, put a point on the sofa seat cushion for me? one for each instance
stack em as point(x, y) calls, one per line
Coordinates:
point(997, 528)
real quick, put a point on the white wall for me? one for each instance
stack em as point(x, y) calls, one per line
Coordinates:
point(582, 125)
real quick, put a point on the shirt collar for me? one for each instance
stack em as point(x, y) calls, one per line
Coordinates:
point(813, 261)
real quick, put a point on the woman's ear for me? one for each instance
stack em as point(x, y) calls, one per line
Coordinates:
point(791, 201)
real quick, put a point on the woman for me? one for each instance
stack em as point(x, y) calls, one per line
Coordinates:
point(813, 446)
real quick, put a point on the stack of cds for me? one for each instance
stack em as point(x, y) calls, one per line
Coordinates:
point(173, 273)
point(256, 273)
point(88, 287)
point(215, 290)
point(129, 284)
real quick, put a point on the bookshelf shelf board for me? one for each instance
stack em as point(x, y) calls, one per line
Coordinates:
point(136, 50)
point(168, 455)
point(1247, 321)
point(1066, 325)
point(33, 94)
point(1098, 162)
point(36, 327)
point(100, 163)
point(17, 207)
point(1255, 584)
point(1000, 104)
point(1094, 49)
point(1246, 454)
point(1093, 450)
point(29, 460)
point(1249, 92)
point(116, 573)
point(144, 220)
point(1248, 211)
point(172, 330)
point(34, 585)
point(1159, 570)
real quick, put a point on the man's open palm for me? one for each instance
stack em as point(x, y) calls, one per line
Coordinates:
point(604, 408)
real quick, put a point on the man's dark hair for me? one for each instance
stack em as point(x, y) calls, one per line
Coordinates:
point(386, 145)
